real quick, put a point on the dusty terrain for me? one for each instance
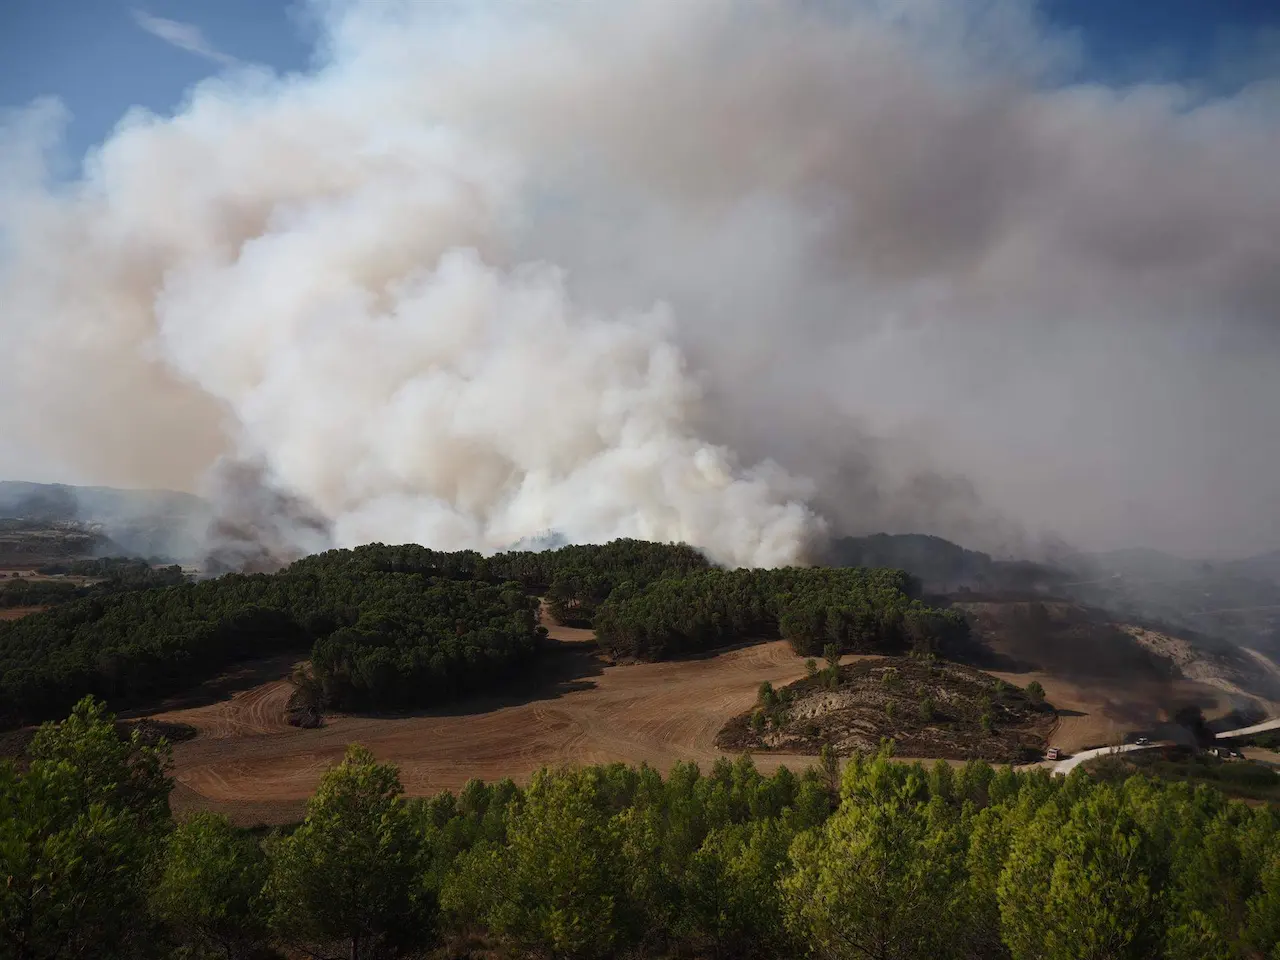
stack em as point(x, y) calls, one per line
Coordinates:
point(247, 762)
point(942, 709)
point(1102, 680)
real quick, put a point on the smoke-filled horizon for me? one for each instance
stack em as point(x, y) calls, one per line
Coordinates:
point(732, 273)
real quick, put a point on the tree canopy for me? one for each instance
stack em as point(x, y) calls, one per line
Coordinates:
point(885, 860)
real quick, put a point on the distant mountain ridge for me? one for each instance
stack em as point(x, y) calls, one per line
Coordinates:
point(1235, 601)
point(145, 523)
point(942, 566)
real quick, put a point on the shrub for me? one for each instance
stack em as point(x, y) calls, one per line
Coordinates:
point(768, 696)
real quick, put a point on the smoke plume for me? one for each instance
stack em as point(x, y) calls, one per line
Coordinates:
point(727, 272)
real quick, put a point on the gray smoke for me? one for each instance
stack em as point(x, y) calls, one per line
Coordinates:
point(254, 527)
point(704, 271)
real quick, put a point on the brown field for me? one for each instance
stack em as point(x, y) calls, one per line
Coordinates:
point(248, 763)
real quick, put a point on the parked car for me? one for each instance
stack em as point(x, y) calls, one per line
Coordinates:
point(1053, 753)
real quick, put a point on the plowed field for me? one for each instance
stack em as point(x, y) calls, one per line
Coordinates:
point(248, 763)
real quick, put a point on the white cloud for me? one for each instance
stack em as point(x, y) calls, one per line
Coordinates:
point(184, 36)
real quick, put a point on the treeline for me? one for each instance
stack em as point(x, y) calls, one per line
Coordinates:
point(638, 561)
point(886, 861)
point(574, 579)
point(386, 626)
point(22, 592)
point(124, 572)
point(399, 626)
point(856, 609)
point(377, 639)
point(116, 574)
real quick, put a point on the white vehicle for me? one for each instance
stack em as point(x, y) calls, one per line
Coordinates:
point(1142, 741)
point(1053, 753)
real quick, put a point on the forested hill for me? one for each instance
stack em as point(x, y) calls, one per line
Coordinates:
point(109, 575)
point(384, 625)
point(394, 626)
point(855, 609)
point(942, 566)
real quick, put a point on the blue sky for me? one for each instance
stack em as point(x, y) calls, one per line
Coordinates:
point(102, 56)
point(99, 59)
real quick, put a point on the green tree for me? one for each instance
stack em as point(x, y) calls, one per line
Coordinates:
point(1261, 928)
point(80, 832)
point(879, 882)
point(556, 884)
point(767, 696)
point(349, 875)
point(731, 888)
point(1035, 692)
point(1080, 884)
point(211, 886)
point(831, 653)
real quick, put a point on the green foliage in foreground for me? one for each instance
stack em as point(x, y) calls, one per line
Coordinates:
point(903, 863)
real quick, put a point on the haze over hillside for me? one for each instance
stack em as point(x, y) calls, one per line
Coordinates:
point(105, 520)
point(759, 272)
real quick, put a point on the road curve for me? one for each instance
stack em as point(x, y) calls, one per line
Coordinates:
point(1064, 767)
point(1273, 724)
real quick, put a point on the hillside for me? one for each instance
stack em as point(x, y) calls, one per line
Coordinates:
point(1108, 677)
point(1237, 601)
point(940, 565)
point(928, 708)
point(1211, 605)
point(44, 522)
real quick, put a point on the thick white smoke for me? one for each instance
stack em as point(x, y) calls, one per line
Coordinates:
point(494, 269)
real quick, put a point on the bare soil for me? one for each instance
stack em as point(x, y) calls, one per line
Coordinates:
point(248, 763)
point(882, 698)
point(577, 707)
point(1103, 683)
